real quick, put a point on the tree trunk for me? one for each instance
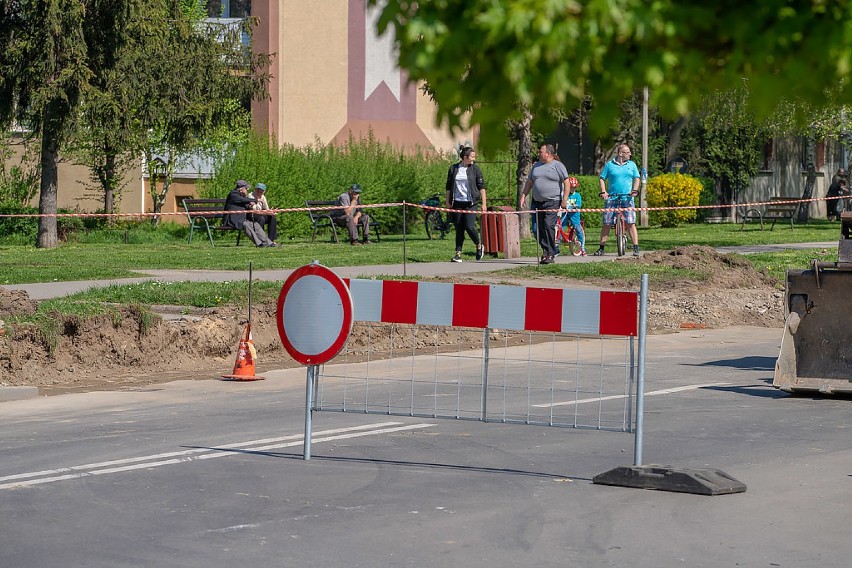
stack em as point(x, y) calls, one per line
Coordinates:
point(675, 133)
point(107, 175)
point(524, 136)
point(600, 158)
point(47, 233)
point(155, 196)
point(160, 198)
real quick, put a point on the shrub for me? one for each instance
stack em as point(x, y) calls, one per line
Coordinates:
point(18, 228)
point(673, 190)
point(293, 175)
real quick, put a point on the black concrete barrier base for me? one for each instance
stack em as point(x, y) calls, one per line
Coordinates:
point(668, 478)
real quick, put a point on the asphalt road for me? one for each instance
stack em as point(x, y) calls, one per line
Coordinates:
point(204, 473)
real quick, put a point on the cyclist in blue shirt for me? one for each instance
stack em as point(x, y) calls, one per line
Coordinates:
point(619, 183)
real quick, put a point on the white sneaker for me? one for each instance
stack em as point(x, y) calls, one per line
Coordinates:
point(456, 257)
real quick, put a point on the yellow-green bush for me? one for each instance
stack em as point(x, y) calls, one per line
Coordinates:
point(673, 190)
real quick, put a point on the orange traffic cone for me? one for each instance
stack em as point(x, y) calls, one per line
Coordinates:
point(246, 356)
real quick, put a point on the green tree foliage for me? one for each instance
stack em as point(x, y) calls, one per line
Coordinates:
point(731, 138)
point(116, 76)
point(44, 75)
point(107, 138)
point(322, 172)
point(494, 55)
point(198, 82)
point(180, 86)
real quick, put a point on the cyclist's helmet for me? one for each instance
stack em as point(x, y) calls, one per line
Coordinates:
point(573, 182)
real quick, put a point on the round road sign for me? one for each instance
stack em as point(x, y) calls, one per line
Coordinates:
point(314, 314)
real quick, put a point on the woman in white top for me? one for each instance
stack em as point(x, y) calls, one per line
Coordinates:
point(466, 192)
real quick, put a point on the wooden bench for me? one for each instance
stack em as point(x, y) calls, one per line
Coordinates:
point(785, 209)
point(320, 219)
point(201, 212)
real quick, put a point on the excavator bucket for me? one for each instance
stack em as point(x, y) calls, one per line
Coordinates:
point(816, 348)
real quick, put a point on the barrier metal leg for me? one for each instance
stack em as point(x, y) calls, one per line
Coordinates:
point(640, 375)
point(309, 401)
point(484, 403)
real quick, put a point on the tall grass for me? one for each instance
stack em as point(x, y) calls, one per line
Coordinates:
point(317, 172)
point(322, 172)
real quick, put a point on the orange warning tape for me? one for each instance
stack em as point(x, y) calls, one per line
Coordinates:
point(417, 206)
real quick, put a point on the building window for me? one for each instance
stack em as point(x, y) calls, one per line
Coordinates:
point(766, 158)
point(819, 154)
point(228, 8)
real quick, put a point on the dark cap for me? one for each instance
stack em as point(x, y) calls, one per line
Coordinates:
point(355, 188)
point(242, 183)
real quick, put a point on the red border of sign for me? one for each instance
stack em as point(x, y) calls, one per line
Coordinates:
point(348, 318)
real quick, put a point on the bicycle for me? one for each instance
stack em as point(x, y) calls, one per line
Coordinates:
point(570, 236)
point(621, 226)
point(435, 222)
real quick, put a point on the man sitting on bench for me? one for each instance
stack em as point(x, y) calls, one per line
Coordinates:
point(238, 200)
point(352, 216)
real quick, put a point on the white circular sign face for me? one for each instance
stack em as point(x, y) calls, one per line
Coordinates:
point(314, 308)
point(314, 314)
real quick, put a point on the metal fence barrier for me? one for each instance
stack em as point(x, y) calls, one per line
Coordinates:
point(562, 380)
point(539, 356)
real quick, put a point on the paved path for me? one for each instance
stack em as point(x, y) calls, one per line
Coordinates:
point(46, 290)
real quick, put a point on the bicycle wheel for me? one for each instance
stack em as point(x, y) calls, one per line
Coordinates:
point(446, 227)
point(573, 242)
point(434, 224)
point(620, 235)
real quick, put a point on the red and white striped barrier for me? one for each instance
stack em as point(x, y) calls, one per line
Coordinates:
point(559, 310)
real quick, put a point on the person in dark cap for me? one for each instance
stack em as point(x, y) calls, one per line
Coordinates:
point(238, 200)
point(351, 216)
point(268, 221)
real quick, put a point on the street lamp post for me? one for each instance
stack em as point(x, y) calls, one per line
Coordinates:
point(643, 198)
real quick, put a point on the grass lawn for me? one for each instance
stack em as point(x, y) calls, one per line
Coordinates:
point(102, 255)
point(106, 255)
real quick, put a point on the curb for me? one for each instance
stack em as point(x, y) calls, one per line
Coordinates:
point(8, 394)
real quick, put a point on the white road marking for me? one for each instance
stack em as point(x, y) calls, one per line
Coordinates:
point(189, 452)
point(621, 396)
point(157, 460)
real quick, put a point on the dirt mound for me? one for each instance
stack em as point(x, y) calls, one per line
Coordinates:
point(136, 349)
point(131, 349)
point(16, 302)
point(726, 271)
point(732, 293)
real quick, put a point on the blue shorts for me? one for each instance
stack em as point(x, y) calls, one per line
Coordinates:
point(616, 202)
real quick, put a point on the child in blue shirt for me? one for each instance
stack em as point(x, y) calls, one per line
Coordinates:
point(572, 205)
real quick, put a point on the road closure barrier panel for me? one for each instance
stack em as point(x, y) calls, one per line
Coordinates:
point(493, 353)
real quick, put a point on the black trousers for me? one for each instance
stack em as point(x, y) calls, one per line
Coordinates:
point(464, 223)
point(545, 224)
point(269, 223)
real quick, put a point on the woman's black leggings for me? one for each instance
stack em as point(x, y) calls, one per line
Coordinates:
point(464, 222)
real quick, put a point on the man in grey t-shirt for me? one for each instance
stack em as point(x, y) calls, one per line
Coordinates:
point(548, 181)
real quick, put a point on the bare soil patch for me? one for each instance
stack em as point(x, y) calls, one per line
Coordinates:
point(106, 354)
